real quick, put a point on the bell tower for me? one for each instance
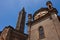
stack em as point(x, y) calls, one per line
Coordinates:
point(21, 21)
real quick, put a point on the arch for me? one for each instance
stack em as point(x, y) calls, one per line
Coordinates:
point(41, 32)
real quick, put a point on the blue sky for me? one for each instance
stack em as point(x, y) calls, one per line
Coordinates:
point(9, 10)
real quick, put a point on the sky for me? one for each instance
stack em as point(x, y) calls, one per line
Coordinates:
point(9, 10)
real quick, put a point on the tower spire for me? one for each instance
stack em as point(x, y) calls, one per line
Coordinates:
point(21, 21)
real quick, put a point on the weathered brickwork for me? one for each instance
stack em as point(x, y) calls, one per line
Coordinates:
point(43, 25)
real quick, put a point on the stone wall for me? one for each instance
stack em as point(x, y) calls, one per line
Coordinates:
point(51, 29)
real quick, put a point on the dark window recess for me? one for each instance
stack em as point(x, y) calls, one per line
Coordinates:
point(41, 32)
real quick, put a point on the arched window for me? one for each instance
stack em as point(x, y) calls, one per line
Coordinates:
point(41, 32)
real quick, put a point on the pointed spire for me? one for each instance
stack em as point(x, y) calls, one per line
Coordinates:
point(21, 21)
point(23, 10)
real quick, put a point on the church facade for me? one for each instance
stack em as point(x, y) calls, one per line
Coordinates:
point(43, 25)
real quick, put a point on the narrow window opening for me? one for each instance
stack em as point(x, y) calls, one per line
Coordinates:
point(41, 32)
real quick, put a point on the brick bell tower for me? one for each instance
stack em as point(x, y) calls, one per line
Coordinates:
point(21, 21)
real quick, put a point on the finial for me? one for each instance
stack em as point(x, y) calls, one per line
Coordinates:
point(49, 4)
